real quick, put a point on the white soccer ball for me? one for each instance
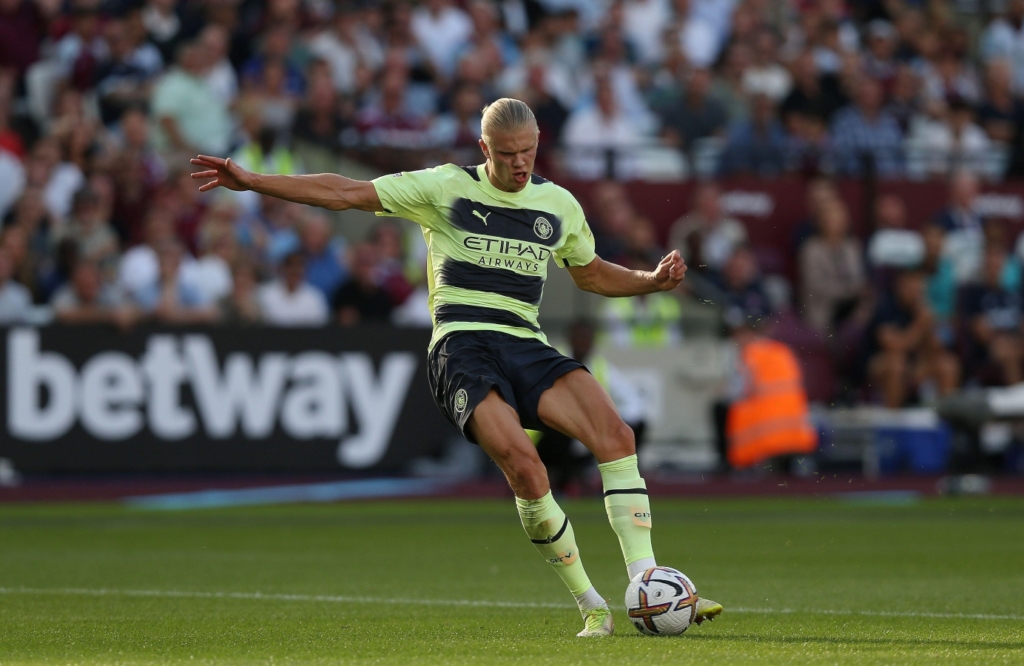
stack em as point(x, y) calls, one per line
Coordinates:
point(661, 602)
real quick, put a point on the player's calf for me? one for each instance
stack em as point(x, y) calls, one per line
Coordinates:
point(629, 512)
point(551, 532)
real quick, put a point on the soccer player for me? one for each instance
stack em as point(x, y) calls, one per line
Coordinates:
point(490, 230)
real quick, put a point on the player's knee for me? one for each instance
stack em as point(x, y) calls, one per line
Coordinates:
point(621, 441)
point(526, 473)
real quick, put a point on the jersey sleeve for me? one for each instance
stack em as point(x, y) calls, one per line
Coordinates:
point(414, 195)
point(578, 249)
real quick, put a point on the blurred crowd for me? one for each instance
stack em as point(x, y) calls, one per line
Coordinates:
point(912, 313)
point(103, 101)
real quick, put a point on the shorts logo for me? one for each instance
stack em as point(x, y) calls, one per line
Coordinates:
point(542, 228)
point(461, 400)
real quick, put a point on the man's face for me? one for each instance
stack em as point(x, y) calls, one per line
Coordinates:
point(511, 156)
point(910, 289)
point(294, 271)
point(708, 205)
point(964, 190)
point(993, 267)
point(869, 96)
point(87, 283)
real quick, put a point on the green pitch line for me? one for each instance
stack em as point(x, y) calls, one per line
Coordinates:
point(443, 582)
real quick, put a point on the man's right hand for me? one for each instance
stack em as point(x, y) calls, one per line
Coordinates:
point(224, 173)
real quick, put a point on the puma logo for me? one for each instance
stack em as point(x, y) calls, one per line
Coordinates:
point(483, 218)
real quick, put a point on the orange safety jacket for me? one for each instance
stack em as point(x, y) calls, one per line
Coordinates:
point(772, 418)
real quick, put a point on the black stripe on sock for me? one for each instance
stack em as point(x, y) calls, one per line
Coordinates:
point(625, 491)
point(555, 538)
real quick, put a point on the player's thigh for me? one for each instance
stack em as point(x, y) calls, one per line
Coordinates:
point(578, 406)
point(496, 428)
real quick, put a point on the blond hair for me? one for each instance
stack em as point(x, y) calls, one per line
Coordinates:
point(504, 116)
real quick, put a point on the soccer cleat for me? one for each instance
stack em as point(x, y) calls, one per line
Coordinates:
point(707, 610)
point(597, 623)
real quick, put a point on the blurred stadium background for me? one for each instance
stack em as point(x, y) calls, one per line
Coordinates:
point(843, 177)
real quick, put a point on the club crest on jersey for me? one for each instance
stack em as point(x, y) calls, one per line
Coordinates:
point(543, 228)
point(461, 400)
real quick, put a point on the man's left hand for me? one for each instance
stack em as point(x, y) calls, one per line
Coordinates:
point(670, 271)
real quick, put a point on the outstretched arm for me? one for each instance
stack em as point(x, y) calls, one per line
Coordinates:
point(326, 190)
point(608, 279)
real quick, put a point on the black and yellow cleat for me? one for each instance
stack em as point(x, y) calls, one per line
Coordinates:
point(707, 610)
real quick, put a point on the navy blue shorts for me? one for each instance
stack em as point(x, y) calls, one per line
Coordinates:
point(464, 366)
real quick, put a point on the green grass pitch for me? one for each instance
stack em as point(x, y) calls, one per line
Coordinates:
point(802, 581)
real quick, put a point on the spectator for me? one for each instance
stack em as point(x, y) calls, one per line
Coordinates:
point(86, 299)
point(275, 71)
point(78, 53)
point(963, 226)
point(460, 127)
point(949, 139)
point(940, 274)
point(220, 76)
point(742, 296)
point(766, 76)
point(347, 48)
point(699, 40)
point(642, 20)
point(388, 121)
point(695, 116)
point(647, 321)
point(290, 300)
point(727, 88)
point(124, 79)
point(325, 264)
point(23, 26)
point(611, 213)
point(189, 115)
point(832, 274)
point(904, 97)
point(1000, 112)
point(211, 272)
point(391, 267)
point(163, 25)
point(15, 299)
point(863, 131)
point(812, 93)
point(706, 237)
point(549, 110)
point(12, 171)
point(808, 148)
point(601, 139)
point(320, 119)
point(59, 178)
point(264, 151)
point(140, 266)
point(242, 305)
point(879, 59)
point(87, 227)
point(992, 314)
point(441, 29)
point(893, 245)
point(757, 146)
point(171, 298)
point(949, 76)
point(906, 354)
point(362, 299)
point(1003, 39)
